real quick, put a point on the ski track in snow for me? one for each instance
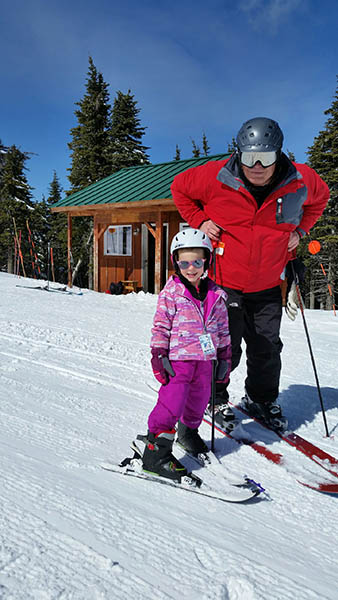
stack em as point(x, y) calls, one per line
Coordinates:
point(73, 393)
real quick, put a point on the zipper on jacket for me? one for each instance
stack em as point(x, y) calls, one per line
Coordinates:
point(201, 312)
point(279, 211)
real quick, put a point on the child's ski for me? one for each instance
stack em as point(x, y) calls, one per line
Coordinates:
point(241, 492)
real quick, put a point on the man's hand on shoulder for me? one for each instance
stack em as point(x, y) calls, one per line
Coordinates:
point(211, 229)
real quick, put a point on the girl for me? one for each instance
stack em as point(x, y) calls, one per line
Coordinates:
point(191, 330)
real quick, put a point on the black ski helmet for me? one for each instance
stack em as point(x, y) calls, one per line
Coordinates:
point(260, 135)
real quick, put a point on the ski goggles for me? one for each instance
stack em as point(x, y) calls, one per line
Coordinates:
point(197, 263)
point(266, 159)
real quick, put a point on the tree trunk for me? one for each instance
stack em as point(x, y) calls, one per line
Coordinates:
point(10, 265)
point(79, 262)
point(312, 297)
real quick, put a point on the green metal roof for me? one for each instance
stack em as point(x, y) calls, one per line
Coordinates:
point(133, 184)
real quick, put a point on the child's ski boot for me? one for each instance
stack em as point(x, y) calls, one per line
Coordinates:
point(158, 457)
point(190, 440)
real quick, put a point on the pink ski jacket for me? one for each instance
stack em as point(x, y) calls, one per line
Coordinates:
point(180, 319)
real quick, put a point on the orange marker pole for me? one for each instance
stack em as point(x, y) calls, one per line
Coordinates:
point(52, 263)
point(19, 247)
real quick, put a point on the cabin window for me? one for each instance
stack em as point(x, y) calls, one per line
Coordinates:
point(117, 240)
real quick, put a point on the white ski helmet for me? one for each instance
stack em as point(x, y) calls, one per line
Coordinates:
point(191, 238)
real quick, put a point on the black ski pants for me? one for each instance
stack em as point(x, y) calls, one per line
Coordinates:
point(255, 318)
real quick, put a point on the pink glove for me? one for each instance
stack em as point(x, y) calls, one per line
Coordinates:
point(157, 355)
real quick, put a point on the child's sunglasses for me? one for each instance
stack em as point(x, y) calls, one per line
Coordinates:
point(197, 263)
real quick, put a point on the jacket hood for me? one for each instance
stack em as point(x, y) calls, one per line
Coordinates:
point(231, 173)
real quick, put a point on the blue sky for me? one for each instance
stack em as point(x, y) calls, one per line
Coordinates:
point(193, 66)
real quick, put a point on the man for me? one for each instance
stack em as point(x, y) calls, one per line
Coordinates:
point(255, 206)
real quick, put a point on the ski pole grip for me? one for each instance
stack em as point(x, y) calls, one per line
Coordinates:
point(167, 366)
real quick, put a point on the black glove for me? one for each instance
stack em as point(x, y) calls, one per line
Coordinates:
point(292, 302)
point(299, 269)
point(223, 365)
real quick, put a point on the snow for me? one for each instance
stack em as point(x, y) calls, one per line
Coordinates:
point(74, 392)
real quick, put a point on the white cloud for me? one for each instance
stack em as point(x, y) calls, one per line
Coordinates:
point(268, 15)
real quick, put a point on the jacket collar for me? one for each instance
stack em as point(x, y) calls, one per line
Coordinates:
point(230, 174)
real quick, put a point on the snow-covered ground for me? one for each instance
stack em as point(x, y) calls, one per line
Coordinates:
point(74, 392)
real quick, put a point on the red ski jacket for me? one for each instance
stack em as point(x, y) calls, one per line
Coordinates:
point(255, 239)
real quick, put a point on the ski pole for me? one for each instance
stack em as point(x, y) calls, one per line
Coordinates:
point(213, 406)
point(301, 306)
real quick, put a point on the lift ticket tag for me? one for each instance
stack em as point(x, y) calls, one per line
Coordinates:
point(207, 344)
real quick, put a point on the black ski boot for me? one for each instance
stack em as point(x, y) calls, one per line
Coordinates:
point(190, 440)
point(224, 416)
point(268, 412)
point(158, 457)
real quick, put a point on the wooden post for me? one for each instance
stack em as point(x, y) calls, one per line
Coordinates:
point(158, 252)
point(69, 245)
point(96, 255)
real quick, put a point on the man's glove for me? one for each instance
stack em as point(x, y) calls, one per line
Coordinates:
point(299, 269)
point(161, 365)
point(292, 303)
point(223, 365)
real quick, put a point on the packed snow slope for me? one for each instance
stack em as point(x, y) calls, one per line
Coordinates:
point(74, 392)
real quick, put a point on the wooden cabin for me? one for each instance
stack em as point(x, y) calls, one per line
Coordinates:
point(135, 220)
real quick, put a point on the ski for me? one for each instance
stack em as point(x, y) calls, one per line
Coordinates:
point(324, 486)
point(45, 288)
point(237, 495)
point(320, 457)
point(212, 463)
point(274, 457)
point(240, 492)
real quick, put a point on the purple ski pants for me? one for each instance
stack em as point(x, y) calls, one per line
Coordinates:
point(184, 398)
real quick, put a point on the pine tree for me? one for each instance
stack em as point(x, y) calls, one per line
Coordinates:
point(232, 146)
point(323, 157)
point(196, 151)
point(126, 133)
point(50, 229)
point(103, 142)
point(15, 207)
point(91, 141)
point(177, 153)
point(290, 155)
point(58, 231)
point(3, 152)
point(91, 156)
point(205, 145)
